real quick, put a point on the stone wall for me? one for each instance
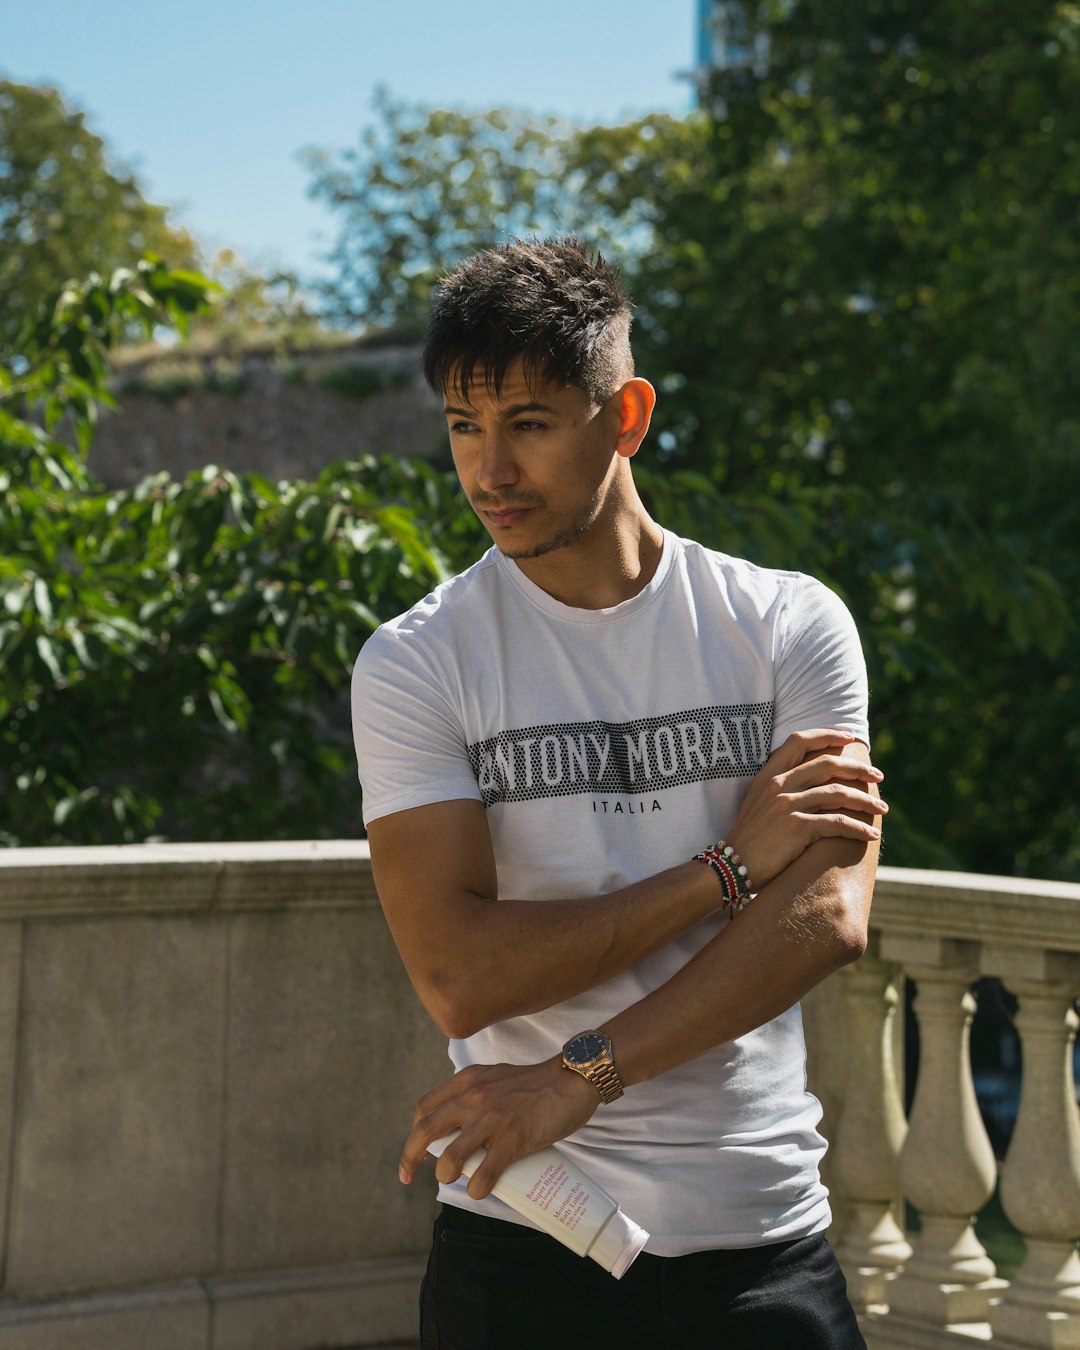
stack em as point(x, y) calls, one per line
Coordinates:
point(209, 1056)
point(282, 415)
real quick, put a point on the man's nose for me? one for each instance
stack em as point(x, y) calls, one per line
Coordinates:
point(497, 467)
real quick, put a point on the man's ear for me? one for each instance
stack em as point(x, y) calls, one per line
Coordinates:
point(636, 400)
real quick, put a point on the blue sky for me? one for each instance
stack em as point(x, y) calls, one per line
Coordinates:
point(209, 102)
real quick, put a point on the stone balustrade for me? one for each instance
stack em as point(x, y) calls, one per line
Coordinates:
point(209, 1057)
point(944, 931)
point(208, 1054)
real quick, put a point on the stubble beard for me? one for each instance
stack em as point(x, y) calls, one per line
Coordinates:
point(562, 539)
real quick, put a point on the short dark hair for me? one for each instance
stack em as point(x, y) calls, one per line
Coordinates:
point(553, 302)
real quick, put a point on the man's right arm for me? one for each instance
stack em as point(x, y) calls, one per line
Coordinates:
point(475, 959)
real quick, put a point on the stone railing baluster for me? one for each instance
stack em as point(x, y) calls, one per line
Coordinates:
point(947, 1166)
point(866, 1150)
point(1040, 1182)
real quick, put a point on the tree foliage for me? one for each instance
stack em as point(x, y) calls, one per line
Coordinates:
point(255, 310)
point(66, 208)
point(856, 271)
point(868, 290)
point(173, 656)
point(426, 186)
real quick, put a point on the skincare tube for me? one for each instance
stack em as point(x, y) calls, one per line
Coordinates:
point(547, 1188)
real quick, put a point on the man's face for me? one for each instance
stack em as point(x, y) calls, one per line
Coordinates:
point(536, 462)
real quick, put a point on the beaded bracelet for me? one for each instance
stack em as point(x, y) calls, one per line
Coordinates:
point(731, 870)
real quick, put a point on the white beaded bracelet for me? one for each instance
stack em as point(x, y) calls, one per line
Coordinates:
point(731, 870)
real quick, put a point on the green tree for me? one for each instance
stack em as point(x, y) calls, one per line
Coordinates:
point(173, 658)
point(428, 185)
point(256, 310)
point(866, 298)
point(856, 271)
point(66, 207)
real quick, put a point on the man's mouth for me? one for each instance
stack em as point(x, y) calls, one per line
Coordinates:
point(505, 515)
point(509, 517)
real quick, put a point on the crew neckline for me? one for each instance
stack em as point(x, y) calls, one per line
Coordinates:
point(571, 614)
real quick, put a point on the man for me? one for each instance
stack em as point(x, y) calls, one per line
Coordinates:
point(550, 745)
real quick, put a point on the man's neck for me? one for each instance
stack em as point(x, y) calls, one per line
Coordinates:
point(603, 567)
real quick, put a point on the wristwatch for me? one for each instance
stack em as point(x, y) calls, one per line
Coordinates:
point(589, 1054)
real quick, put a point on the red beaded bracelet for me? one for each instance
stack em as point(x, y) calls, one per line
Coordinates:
point(731, 870)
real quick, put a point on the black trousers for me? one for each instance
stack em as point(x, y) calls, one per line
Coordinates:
point(492, 1285)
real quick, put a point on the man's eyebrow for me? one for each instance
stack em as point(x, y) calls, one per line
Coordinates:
point(507, 414)
point(516, 409)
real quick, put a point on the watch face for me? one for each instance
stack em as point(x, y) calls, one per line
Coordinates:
point(585, 1048)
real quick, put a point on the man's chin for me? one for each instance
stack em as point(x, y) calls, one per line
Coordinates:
point(524, 552)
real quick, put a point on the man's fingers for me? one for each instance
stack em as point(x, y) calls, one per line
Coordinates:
point(414, 1153)
point(500, 1112)
point(825, 826)
point(832, 797)
point(454, 1157)
point(449, 1163)
point(823, 767)
point(460, 1103)
point(427, 1127)
point(802, 743)
point(490, 1158)
point(446, 1091)
point(488, 1173)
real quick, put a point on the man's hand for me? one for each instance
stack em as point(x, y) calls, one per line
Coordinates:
point(803, 793)
point(508, 1109)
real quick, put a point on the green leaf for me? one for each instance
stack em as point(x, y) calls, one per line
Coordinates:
point(50, 653)
point(15, 595)
point(68, 806)
point(217, 703)
point(82, 650)
point(11, 633)
point(43, 600)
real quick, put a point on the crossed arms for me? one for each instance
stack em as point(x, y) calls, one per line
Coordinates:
point(806, 830)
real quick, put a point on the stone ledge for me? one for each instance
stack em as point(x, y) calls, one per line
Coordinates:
point(375, 1301)
point(972, 907)
point(167, 1318)
point(191, 878)
point(890, 1333)
point(367, 1303)
point(21, 1312)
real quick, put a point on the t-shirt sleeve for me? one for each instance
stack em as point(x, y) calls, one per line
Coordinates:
point(820, 674)
point(410, 747)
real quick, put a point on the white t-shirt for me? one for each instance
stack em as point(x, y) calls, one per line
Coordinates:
point(606, 746)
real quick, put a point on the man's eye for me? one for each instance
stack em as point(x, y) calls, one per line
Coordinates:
point(530, 426)
point(459, 428)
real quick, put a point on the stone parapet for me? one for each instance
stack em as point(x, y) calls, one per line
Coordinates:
point(209, 1056)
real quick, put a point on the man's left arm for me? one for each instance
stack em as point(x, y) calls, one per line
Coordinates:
point(805, 924)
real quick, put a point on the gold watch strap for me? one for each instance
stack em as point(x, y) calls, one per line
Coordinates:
point(605, 1078)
